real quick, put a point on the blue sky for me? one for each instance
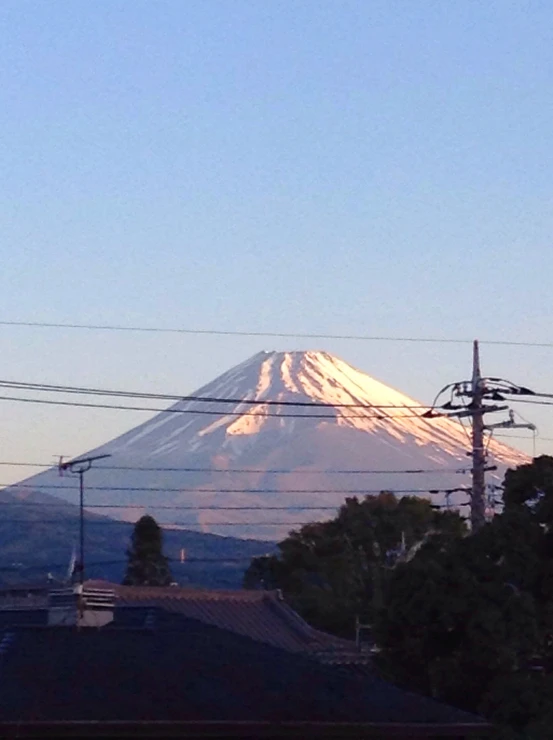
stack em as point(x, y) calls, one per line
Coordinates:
point(367, 167)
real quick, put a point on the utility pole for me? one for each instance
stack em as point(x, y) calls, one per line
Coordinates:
point(479, 390)
point(79, 467)
point(478, 503)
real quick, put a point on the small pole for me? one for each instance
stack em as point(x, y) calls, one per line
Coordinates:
point(79, 467)
point(81, 525)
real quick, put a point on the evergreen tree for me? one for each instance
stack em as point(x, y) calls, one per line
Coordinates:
point(147, 565)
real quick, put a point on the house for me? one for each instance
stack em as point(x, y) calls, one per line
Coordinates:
point(194, 680)
point(261, 615)
point(24, 596)
point(145, 670)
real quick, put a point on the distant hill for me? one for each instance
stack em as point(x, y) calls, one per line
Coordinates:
point(38, 533)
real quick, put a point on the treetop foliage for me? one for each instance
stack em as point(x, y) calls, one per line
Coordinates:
point(331, 571)
point(147, 565)
point(466, 618)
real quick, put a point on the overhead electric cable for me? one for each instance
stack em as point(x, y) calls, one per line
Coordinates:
point(532, 400)
point(120, 561)
point(19, 385)
point(164, 489)
point(117, 407)
point(175, 526)
point(279, 471)
point(274, 334)
point(169, 525)
point(63, 505)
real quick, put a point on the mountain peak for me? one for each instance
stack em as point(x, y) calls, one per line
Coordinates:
point(246, 446)
point(318, 375)
point(242, 408)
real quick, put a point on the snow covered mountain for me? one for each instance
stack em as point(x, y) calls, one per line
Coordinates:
point(271, 465)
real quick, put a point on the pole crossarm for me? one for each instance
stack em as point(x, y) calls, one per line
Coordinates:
point(73, 465)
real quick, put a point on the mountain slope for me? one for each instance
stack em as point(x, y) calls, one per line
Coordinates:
point(266, 454)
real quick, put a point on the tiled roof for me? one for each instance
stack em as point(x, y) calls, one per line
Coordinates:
point(260, 615)
point(207, 675)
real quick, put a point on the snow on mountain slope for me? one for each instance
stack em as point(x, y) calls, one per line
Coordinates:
point(267, 455)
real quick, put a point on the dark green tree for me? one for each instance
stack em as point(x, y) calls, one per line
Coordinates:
point(147, 565)
point(333, 572)
point(467, 619)
point(471, 621)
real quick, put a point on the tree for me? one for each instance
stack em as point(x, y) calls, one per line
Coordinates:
point(147, 566)
point(465, 618)
point(333, 572)
point(471, 622)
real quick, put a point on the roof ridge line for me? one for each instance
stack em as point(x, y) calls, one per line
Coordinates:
point(301, 625)
point(295, 620)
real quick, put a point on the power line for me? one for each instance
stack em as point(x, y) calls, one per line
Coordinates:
point(518, 436)
point(181, 507)
point(53, 566)
point(120, 561)
point(177, 561)
point(79, 390)
point(176, 507)
point(274, 334)
point(65, 516)
point(276, 471)
point(430, 413)
point(534, 401)
point(182, 525)
point(119, 407)
point(163, 489)
point(177, 526)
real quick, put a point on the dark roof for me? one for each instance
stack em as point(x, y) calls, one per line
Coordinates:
point(23, 618)
point(40, 587)
point(23, 597)
point(260, 615)
point(202, 675)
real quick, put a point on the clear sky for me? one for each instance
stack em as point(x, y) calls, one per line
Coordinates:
point(378, 167)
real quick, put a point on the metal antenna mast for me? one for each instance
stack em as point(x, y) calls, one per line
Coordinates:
point(79, 467)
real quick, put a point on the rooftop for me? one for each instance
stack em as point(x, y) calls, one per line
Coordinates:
point(260, 615)
point(205, 680)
